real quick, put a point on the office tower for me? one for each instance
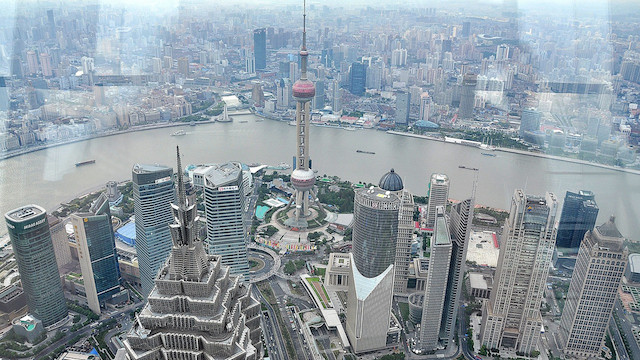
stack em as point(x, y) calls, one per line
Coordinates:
point(369, 309)
point(33, 249)
point(260, 48)
point(433, 305)
point(502, 52)
point(250, 64)
point(183, 66)
point(467, 96)
point(438, 196)
point(511, 318)
point(374, 75)
point(357, 78)
point(460, 219)
point(32, 62)
point(282, 95)
point(466, 29)
point(318, 100)
point(403, 105)
point(197, 308)
point(153, 193)
point(224, 209)
point(592, 293)
point(16, 67)
point(98, 94)
point(52, 24)
point(425, 106)
point(392, 182)
point(97, 253)
point(529, 121)
point(375, 230)
point(579, 213)
point(302, 177)
point(88, 64)
point(399, 57)
point(293, 71)
point(60, 241)
point(45, 63)
point(257, 95)
point(336, 97)
point(447, 46)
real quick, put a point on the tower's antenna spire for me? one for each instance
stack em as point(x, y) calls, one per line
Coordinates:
point(304, 25)
point(181, 193)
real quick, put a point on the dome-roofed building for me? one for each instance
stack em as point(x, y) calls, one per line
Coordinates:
point(391, 181)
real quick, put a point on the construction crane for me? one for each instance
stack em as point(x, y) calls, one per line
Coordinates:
point(475, 178)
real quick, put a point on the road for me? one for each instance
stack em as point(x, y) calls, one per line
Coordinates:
point(625, 327)
point(290, 325)
point(271, 330)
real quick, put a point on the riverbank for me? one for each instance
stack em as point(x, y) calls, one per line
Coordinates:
point(528, 153)
point(96, 136)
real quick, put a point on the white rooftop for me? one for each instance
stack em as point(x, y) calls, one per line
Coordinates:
point(481, 249)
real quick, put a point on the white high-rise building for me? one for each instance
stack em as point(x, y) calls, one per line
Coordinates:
point(438, 196)
point(436, 286)
point(601, 262)
point(399, 57)
point(336, 96)
point(502, 52)
point(425, 106)
point(250, 63)
point(224, 208)
point(511, 318)
point(369, 309)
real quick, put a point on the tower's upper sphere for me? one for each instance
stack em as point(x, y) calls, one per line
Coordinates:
point(304, 89)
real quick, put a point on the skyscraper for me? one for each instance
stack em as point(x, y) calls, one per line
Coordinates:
point(33, 249)
point(529, 121)
point(357, 78)
point(392, 182)
point(302, 177)
point(336, 97)
point(318, 100)
point(369, 309)
point(579, 213)
point(502, 52)
point(32, 62)
point(592, 293)
point(460, 218)
point(425, 106)
point(97, 253)
point(466, 29)
point(224, 209)
point(467, 96)
point(375, 230)
point(260, 48)
point(438, 196)
point(153, 192)
point(435, 289)
point(511, 318)
point(52, 24)
point(403, 104)
point(45, 63)
point(197, 309)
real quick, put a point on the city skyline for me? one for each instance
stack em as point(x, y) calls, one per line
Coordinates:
point(261, 244)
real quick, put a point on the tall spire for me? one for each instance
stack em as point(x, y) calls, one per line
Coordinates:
point(303, 49)
point(304, 25)
point(182, 203)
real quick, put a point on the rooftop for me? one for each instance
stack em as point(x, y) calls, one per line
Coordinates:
point(146, 169)
point(609, 228)
point(391, 181)
point(634, 263)
point(25, 213)
point(222, 174)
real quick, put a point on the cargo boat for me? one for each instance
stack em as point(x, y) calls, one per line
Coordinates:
point(85, 162)
point(365, 152)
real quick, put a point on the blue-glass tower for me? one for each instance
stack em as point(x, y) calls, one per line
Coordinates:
point(357, 78)
point(97, 253)
point(579, 213)
point(260, 48)
point(153, 192)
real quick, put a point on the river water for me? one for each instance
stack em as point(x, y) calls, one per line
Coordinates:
point(50, 176)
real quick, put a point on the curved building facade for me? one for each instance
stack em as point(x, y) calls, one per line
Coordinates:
point(31, 241)
point(375, 230)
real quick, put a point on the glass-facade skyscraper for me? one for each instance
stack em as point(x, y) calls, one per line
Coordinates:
point(224, 209)
point(97, 253)
point(153, 192)
point(375, 230)
point(260, 48)
point(579, 213)
point(32, 246)
point(357, 78)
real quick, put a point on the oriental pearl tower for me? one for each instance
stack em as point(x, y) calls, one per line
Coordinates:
point(302, 177)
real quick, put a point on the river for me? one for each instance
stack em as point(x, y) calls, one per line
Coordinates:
point(49, 176)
